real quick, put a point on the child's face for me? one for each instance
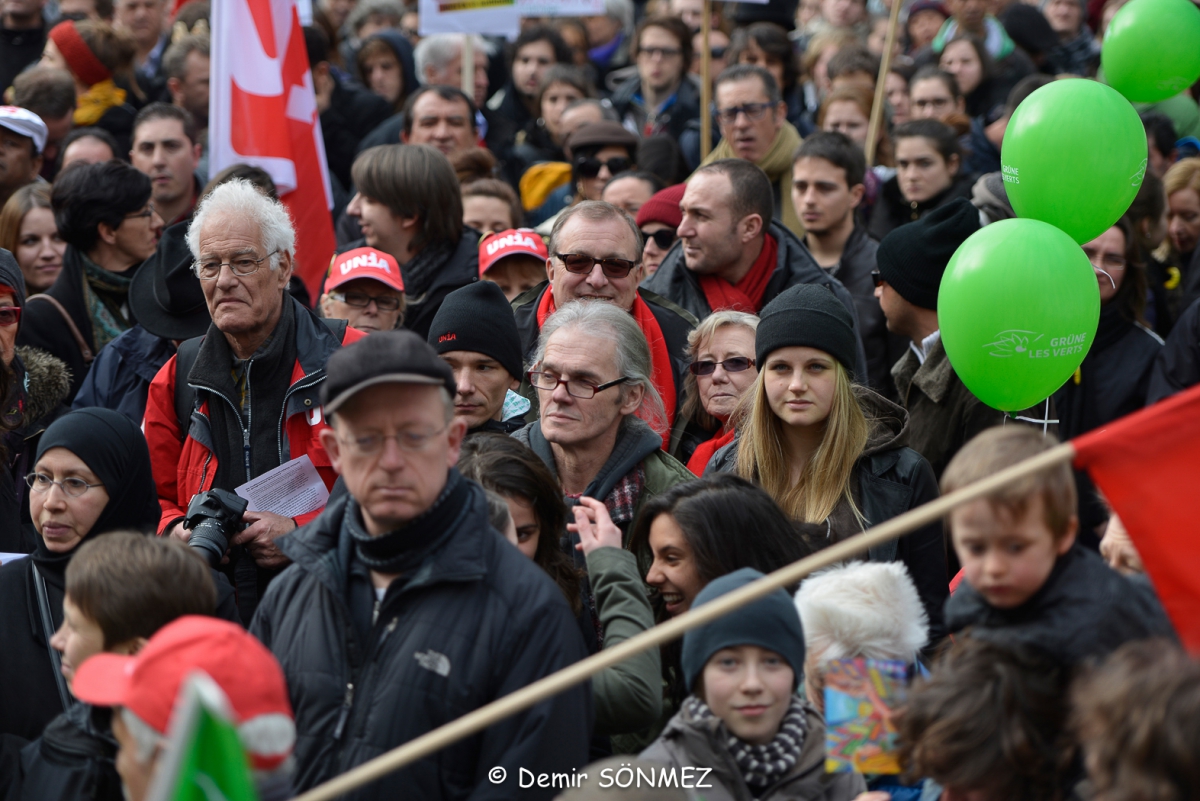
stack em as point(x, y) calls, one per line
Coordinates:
point(77, 639)
point(1006, 560)
point(750, 689)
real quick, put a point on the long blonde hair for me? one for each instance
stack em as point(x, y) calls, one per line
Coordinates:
point(825, 481)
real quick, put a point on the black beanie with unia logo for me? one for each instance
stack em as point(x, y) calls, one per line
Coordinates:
point(478, 318)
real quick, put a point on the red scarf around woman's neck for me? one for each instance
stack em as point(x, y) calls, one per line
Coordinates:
point(746, 295)
point(705, 450)
point(661, 373)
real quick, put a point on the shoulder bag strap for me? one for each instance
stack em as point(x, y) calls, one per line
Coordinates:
point(43, 598)
point(84, 348)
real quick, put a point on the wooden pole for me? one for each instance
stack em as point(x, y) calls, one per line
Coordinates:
point(885, 64)
point(529, 695)
point(705, 82)
point(468, 66)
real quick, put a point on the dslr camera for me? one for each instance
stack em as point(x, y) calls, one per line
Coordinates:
point(213, 517)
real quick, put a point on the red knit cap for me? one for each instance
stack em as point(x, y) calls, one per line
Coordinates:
point(79, 57)
point(663, 207)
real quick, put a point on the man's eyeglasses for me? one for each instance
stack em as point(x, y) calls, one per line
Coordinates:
point(877, 278)
point(735, 365)
point(146, 212)
point(9, 315)
point(582, 264)
point(408, 441)
point(361, 300)
point(72, 485)
point(717, 53)
point(586, 167)
point(663, 238)
point(575, 387)
point(241, 266)
point(753, 112)
point(662, 52)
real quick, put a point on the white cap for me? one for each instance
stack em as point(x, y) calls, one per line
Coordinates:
point(26, 123)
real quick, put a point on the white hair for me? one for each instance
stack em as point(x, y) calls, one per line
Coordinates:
point(439, 50)
point(862, 609)
point(240, 199)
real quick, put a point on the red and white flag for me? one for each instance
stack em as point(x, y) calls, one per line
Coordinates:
point(263, 112)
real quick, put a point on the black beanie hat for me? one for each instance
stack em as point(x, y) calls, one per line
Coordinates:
point(478, 318)
point(913, 257)
point(808, 315)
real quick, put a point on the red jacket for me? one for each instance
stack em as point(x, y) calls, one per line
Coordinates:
point(185, 466)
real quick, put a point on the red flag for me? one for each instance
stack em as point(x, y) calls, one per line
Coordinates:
point(263, 112)
point(1147, 465)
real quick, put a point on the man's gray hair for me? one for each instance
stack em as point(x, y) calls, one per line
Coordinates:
point(240, 199)
point(391, 10)
point(597, 211)
point(607, 112)
point(602, 319)
point(439, 50)
point(621, 11)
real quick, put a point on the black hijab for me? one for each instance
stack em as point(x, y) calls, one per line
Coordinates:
point(112, 446)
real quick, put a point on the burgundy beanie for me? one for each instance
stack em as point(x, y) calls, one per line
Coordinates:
point(663, 207)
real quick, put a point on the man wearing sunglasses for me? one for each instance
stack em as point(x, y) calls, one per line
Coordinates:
point(659, 99)
point(365, 289)
point(595, 255)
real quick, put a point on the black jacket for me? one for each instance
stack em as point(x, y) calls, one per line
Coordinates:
point(353, 112)
point(19, 49)
point(883, 347)
point(1177, 365)
point(478, 621)
point(891, 480)
point(795, 265)
point(120, 376)
point(1085, 610)
point(892, 210)
point(31, 696)
point(672, 121)
point(74, 760)
point(460, 269)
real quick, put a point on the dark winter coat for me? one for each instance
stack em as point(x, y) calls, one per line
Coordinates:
point(19, 49)
point(353, 113)
point(120, 376)
point(892, 210)
point(31, 697)
point(477, 621)
point(74, 760)
point(1084, 611)
point(1177, 365)
point(795, 265)
point(507, 115)
point(982, 156)
point(674, 118)
point(888, 480)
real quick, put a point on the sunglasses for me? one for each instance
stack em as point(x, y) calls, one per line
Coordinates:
point(9, 315)
point(717, 53)
point(877, 278)
point(663, 238)
point(590, 167)
point(582, 264)
point(735, 365)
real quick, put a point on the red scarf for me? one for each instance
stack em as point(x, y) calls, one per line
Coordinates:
point(705, 450)
point(661, 374)
point(746, 295)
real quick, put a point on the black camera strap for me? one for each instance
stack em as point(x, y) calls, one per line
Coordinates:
point(43, 598)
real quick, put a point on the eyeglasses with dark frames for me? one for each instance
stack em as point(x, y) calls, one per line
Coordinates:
point(877, 278)
point(241, 266)
point(576, 388)
point(735, 364)
point(582, 264)
point(146, 212)
point(361, 300)
point(753, 112)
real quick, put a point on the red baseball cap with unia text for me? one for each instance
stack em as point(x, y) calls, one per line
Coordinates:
point(364, 263)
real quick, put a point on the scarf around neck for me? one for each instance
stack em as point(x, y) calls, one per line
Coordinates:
point(105, 294)
point(777, 164)
point(99, 98)
point(761, 765)
point(402, 550)
point(419, 271)
point(746, 295)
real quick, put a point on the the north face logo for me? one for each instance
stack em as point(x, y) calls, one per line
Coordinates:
point(512, 240)
point(447, 338)
point(432, 660)
point(365, 260)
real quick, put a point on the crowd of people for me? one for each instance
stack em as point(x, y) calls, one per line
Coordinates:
point(567, 376)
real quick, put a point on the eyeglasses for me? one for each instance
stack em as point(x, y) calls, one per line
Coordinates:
point(1109, 261)
point(735, 365)
point(362, 300)
point(146, 212)
point(575, 388)
point(9, 315)
point(407, 441)
point(589, 167)
point(72, 486)
point(877, 278)
point(582, 264)
point(753, 112)
point(663, 238)
point(716, 53)
point(241, 266)
point(662, 52)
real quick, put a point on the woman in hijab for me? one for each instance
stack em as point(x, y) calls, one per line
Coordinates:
point(91, 476)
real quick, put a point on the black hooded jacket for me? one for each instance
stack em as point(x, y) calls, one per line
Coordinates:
point(476, 621)
point(1177, 365)
point(73, 760)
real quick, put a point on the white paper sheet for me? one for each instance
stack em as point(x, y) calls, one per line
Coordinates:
point(292, 489)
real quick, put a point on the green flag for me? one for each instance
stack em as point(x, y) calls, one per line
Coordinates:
point(204, 759)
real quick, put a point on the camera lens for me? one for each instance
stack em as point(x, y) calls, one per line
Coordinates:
point(209, 538)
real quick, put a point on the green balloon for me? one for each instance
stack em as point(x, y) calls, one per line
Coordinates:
point(1151, 50)
point(1074, 155)
point(1018, 308)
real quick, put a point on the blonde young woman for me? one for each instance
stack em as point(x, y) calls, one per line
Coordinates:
point(828, 451)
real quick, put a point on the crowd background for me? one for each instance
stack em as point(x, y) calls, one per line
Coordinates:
point(553, 320)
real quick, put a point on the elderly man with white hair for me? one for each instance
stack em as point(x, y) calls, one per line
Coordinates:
point(244, 398)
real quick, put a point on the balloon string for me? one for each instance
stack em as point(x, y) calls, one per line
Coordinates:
point(1106, 275)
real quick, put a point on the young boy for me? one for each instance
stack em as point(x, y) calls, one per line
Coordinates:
point(120, 589)
point(1026, 580)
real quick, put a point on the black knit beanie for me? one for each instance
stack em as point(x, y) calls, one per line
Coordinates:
point(913, 257)
point(478, 318)
point(808, 315)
